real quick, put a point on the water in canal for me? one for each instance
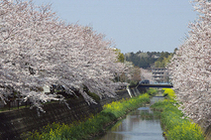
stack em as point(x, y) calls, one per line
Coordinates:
point(141, 124)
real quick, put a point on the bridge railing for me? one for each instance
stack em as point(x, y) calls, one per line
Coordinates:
point(157, 85)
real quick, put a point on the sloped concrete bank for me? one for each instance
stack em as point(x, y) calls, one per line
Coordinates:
point(206, 130)
point(208, 133)
point(14, 123)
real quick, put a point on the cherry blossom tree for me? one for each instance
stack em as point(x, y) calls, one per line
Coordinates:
point(146, 75)
point(191, 67)
point(37, 49)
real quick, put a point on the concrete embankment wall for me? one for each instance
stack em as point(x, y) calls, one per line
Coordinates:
point(208, 133)
point(15, 122)
point(206, 129)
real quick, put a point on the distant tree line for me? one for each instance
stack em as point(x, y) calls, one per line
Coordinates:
point(148, 59)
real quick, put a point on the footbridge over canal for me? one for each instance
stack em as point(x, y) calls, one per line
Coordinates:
point(136, 89)
point(155, 85)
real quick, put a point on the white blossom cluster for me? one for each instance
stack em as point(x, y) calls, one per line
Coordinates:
point(37, 49)
point(191, 67)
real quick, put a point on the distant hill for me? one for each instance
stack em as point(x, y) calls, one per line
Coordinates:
point(147, 60)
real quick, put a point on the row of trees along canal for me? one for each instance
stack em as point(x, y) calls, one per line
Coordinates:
point(191, 67)
point(38, 49)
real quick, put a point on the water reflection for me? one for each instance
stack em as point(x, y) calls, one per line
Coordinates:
point(142, 124)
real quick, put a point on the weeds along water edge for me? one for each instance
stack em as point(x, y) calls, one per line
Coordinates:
point(174, 123)
point(95, 124)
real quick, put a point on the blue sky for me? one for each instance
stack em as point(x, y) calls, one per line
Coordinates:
point(146, 25)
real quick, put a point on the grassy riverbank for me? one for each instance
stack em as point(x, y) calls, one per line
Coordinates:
point(175, 125)
point(94, 125)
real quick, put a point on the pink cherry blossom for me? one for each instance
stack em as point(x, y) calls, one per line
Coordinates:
point(37, 49)
point(191, 67)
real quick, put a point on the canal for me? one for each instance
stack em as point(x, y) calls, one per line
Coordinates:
point(141, 124)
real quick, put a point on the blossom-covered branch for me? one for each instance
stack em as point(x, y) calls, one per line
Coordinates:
point(37, 49)
point(191, 67)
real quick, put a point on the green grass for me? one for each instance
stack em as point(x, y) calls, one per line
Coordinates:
point(94, 125)
point(177, 126)
point(152, 91)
